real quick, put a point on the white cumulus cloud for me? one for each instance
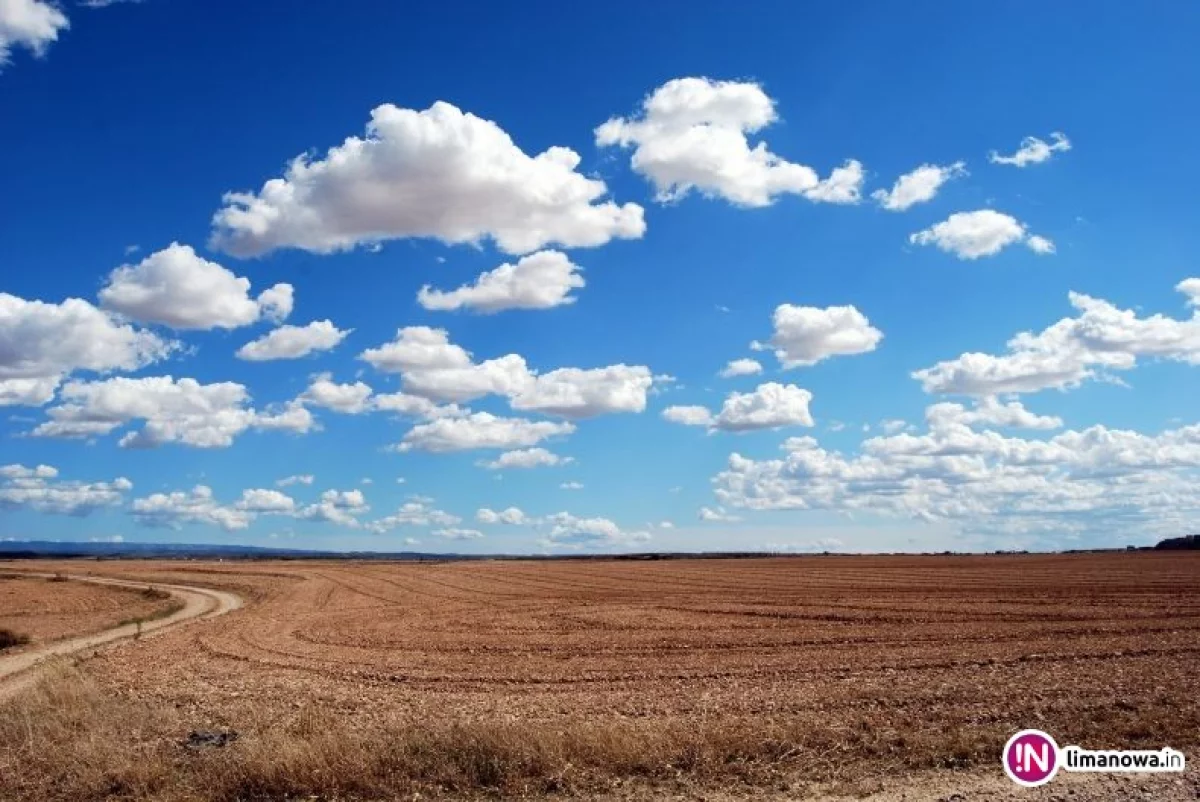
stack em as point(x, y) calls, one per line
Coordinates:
point(512, 516)
point(1033, 151)
point(174, 411)
point(585, 393)
point(42, 343)
point(358, 397)
point(1100, 339)
point(480, 430)
point(991, 412)
point(986, 232)
point(457, 533)
point(173, 510)
point(919, 186)
point(439, 173)
point(1095, 480)
point(769, 406)
point(293, 342)
point(688, 415)
point(338, 507)
point(541, 280)
point(32, 24)
point(741, 367)
point(526, 458)
point(1040, 245)
point(40, 489)
point(717, 515)
point(432, 367)
point(691, 135)
point(178, 288)
point(805, 335)
point(259, 500)
point(346, 398)
point(571, 531)
point(415, 512)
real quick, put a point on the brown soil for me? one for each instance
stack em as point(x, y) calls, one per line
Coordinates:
point(773, 678)
point(50, 610)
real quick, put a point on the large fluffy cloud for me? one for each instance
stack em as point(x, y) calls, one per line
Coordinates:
point(1097, 479)
point(175, 411)
point(438, 173)
point(293, 342)
point(179, 288)
point(432, 367)
point(692, 135)
point(919, 186)
point(480, 430)
point(540, 280)
point(1033, 151)
point(40, 489)
point(32, 24)
point(41, 343)
point(805, 335)
point(769, 406)
point(986, 232)
point(1100, 339)
point(173, 510)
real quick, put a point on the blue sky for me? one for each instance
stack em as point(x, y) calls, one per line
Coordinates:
point(734, 180)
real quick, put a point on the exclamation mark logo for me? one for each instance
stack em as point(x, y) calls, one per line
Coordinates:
point(1031, 758)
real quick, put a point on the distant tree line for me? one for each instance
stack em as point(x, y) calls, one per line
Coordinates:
point(1187, 542)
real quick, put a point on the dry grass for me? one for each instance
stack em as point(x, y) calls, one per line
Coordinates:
point(66, 740)
point(154, 594)
point(10, 639)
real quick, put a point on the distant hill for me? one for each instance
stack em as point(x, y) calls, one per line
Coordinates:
point(1185, 543)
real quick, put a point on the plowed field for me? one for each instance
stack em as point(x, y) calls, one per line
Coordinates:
point(49, 611)
point(860, 669)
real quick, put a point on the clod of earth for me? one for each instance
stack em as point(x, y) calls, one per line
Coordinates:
point(205, 739)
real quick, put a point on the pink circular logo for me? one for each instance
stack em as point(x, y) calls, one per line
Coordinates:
point(1030, 758)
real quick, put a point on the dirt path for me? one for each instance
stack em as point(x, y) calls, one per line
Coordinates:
point(16, 671)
